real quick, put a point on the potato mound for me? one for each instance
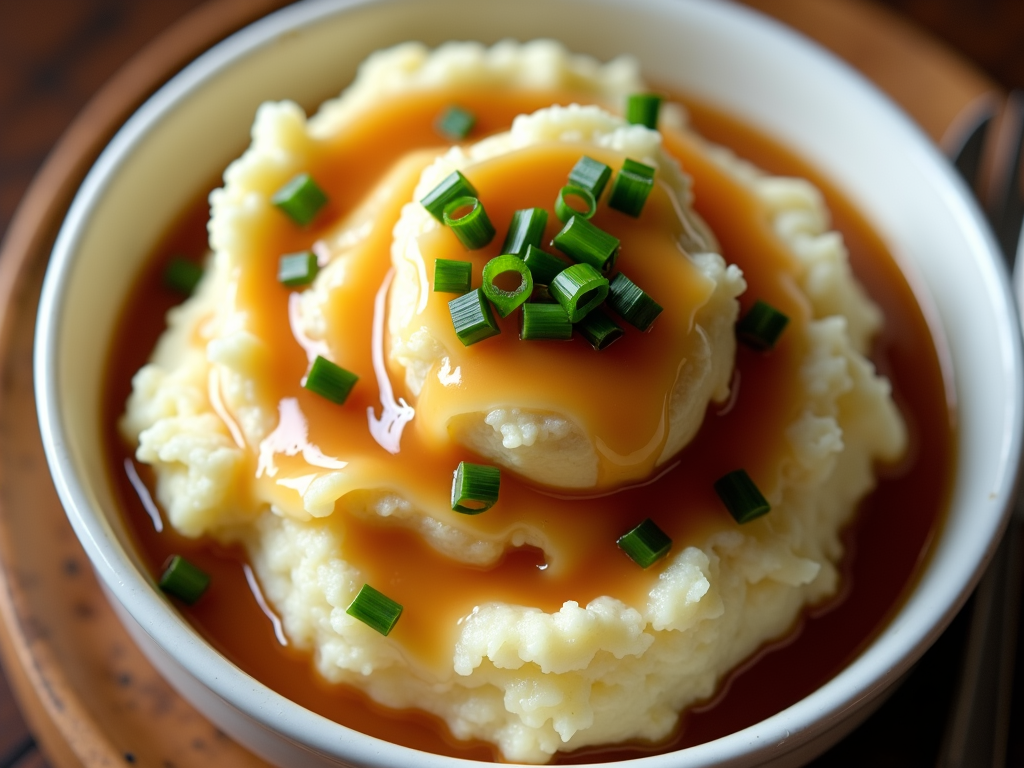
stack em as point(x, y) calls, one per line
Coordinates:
point(551, 447)
point(530, 681)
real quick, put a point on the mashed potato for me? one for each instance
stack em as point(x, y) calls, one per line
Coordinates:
point(237, 459)
point(558, 448)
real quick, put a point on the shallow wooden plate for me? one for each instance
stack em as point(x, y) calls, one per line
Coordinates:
point(90, 696)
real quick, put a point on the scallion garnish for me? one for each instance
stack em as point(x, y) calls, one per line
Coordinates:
point(631, 188)
point(591, 175)
point(544, 321)
point(581, 240)
point(475, 488)
point(543, 265)
point(297, 269)
point(578, 289)
point(599, 329)
point(643, 108)
point(330, 380)
point(505, 300)
point(300, 198)
point(741, 497)
point(455, 123)
point(182, 275)
point(452, 186)
point(452, 276)
point(632, 303)
point(472, 318)
point(761, 327)
point(375, 609)
point(466, 217)
point(526, 229)
point(184, 580)
point(564, 211)
point(646, 544)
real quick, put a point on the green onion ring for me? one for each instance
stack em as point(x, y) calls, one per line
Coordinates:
point(526, 229)
point(451, 186)
point(741, 496)
point(472, 318)
point(506, 301)
point(646, 544)
point(473, 228)
point(599, 329)
point(643, 109)
point(375, 609)
point(543, 322)
point(579, 289)
point(564, 211)
point(581, 240)
point(762, 326)
point(591, 175)
point(475, 488)
point(452, 276)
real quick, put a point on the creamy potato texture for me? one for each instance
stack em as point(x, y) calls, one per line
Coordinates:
point(524, 626)
point(561, 436)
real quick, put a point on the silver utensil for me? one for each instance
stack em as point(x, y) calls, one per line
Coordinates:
point(978, 726)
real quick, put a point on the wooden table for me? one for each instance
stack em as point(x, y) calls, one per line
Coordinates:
point(54, 55)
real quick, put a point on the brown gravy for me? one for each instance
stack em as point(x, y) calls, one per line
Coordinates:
point(884, 547)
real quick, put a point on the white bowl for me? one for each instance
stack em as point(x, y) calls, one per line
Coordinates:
point(720, 53)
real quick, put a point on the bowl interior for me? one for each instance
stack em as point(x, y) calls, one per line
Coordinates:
point(182, 138)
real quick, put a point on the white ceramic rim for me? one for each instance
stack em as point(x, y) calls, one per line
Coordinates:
point(900, 644)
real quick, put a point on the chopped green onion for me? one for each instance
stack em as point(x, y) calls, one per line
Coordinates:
point(472, 318)
point(564, 211)
point(582, 241)
point(375, 609)
point(455, 123)
point(475, 488)
point(300, 198)
point(643, 108)
point(741, 497)
point(632, 303)
point(543, 265)
point(591, 175)
point(182, 275)
point(297, 269)
point(526, 229)
point(646, 544)
point(473, 227)
point(579, 289)
point(506, 300)
point(184, 580)
point(761, 327)
point(631, 188)
point(452, 276)
point(452, 186)
point(599, 329)
point(330, 380)
point(544, 321)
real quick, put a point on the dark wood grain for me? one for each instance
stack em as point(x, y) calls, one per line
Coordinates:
point(15, 739)
point(32, 759)
point(55, 54)
point(989, 32)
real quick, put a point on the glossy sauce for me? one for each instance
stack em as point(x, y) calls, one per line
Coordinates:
point(885, 545)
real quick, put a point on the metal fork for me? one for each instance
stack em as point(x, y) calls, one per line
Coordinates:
point(978, 726)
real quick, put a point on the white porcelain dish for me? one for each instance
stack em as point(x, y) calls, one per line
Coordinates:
point(723, 54)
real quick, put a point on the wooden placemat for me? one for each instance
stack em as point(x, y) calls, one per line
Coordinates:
point(89, 695)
